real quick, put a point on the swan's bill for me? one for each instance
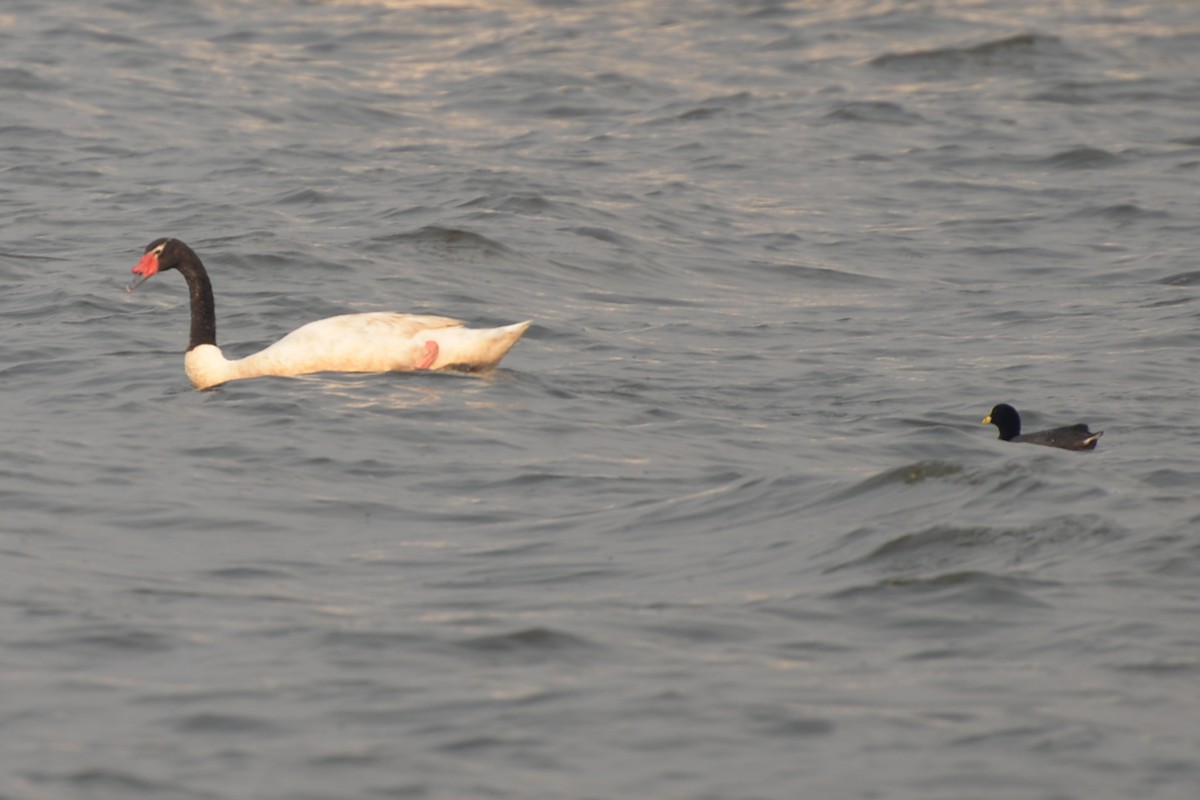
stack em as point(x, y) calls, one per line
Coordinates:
point(146, 268)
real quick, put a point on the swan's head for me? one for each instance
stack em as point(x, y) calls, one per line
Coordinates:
point(159, 255)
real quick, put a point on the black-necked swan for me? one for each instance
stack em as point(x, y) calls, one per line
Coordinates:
point(368, 342)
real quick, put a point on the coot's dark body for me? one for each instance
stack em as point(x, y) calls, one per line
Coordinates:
point(1069, 437)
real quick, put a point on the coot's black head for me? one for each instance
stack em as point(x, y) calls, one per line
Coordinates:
point(1006, 418)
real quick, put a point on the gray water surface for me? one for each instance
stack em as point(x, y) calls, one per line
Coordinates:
point(725, 523)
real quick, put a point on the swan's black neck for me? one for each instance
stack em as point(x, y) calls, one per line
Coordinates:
point(204, 314)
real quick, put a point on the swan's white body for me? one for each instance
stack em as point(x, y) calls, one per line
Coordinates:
point(371, 342)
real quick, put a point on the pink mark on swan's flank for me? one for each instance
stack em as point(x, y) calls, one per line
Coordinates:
point(431, 354)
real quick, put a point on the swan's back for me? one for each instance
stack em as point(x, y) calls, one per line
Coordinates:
point(368, 330)
point(383, 342)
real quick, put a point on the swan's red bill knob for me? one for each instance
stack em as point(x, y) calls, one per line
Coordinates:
point(146, 268)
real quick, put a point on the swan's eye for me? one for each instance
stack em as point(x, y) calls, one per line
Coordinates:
point(158, 246)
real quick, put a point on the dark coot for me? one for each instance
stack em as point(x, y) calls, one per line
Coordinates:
point(1070, 437)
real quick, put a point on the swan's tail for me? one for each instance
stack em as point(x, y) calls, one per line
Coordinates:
point(476, 348)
